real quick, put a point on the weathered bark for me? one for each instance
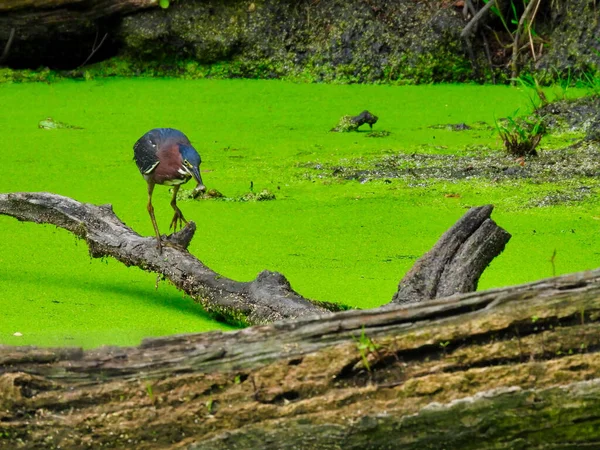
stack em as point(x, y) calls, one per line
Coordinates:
point(455, 263)
point(62, 33)
point(35, 14)
point(507, 368)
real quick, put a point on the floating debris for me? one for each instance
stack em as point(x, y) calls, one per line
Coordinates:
point(264, 195)
point(213, 194)
point(551, 166)
point(378, 134)
point(563, 196)
point(352, 123)
point(190, 194)
point(50, 124)
point(452, 127)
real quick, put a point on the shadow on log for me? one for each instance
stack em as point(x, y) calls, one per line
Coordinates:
point(453, 265)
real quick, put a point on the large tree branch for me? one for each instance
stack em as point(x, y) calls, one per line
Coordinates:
point(268, 298)
point(453, 265)
point(432, 374)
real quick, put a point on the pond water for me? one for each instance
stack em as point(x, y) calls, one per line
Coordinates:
point(334, 238)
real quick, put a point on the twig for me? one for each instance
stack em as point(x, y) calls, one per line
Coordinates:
point(522, 20)
point(11, 37)
point(488, 55)
point(529, 30)
point(94, 49)
point(476, 18)
point(531, 44)
point(470, 7)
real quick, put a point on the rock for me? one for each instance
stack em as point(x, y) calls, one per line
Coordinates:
point(577, 115)
point(572, 29)
point(327, 40)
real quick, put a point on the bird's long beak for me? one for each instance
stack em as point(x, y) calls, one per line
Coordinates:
point(200, 187)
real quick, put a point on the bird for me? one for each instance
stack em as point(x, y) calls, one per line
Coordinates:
point(166, 156)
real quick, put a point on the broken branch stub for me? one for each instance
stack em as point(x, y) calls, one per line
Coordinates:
point(456, 262)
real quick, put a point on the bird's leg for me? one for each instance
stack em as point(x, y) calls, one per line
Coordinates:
point(178, 219)
point(151, 212)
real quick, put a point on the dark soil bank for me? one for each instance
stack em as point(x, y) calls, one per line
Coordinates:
point(328, 40)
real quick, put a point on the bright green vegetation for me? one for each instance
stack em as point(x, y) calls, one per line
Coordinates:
point(335, 239)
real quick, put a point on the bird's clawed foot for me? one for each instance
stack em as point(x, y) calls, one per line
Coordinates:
point(178, 221)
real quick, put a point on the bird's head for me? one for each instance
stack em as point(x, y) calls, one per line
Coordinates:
point(191, 164)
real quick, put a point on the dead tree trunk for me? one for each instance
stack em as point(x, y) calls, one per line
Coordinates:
point(453, 265)
point(507, 368)
point(29, 14)
point(61, 33)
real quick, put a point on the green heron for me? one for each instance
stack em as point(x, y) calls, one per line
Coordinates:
point(166, 156)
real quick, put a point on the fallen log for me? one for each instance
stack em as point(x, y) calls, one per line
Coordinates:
point(453, 265)
point(507, 368)
point(504, 368)
point(29, 15)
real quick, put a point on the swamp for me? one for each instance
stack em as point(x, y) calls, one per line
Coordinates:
point(397, 244)
point(338, 237)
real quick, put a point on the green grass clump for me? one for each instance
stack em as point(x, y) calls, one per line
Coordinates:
point(345, 240)
point(520, 136)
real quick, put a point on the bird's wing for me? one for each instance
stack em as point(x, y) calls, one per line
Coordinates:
point(144, 152)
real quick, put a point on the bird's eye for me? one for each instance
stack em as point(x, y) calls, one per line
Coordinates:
point(187, 163)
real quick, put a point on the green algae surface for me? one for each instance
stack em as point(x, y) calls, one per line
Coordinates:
point(347, 239)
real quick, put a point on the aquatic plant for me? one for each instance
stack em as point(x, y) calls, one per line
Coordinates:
point(532, 83)
point(520, 136)
point(365, 346)
point(339, 239)
point(591, 82)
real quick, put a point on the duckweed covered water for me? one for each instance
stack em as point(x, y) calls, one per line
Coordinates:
point(340, 239)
